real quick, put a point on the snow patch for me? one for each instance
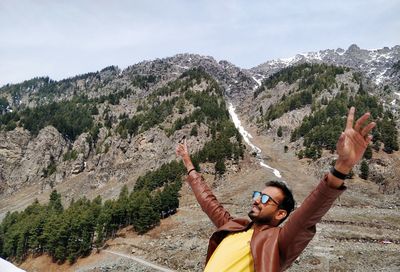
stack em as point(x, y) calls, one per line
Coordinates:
point(379, 78)
point(247, 136)
point(379, 57)
point(258, 81)
point(183, 67)
point(287, 61)
point(340, 53)
point(275, 171)
point(313, 55)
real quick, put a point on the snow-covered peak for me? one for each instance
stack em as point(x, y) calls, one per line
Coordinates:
point(376, 64)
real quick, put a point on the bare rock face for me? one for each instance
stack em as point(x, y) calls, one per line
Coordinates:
point(385, 173)
point(24, 160)
point(12, 144)
point(382, 171)
point(79, 164)
point(81, 145)
point(12, 149)
point(290, 120)
point(149, 147)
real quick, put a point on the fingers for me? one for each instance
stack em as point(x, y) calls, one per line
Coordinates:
point(350, 118)
point(365, 131)
point(181, 148)
point(340, 143)
point(361, 121)
point(369, 139)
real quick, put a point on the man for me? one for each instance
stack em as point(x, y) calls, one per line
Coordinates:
point(260, 245)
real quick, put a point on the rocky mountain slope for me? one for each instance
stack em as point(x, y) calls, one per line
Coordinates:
point(379, 65)
point(130, 128)
point(24, 155)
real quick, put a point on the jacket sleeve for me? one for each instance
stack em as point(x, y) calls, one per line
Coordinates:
point(207, 200)
point(300, 227)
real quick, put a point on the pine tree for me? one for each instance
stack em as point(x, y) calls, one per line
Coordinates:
point(56, 235)
point(147, 217)
point(220, 167)
point(121, 207)
point(55, 202)
point(279, 132)
point(194, 131)
point(368, 153)
point(389, 134)
point(364, 169)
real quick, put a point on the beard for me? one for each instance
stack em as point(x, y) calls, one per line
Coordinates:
point(257, 218)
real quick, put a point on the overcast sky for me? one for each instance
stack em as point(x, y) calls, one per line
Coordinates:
point(64, 38)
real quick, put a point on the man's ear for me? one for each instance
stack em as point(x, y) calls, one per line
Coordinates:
point(280, 214)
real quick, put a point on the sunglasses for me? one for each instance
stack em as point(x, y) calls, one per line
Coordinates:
point(263, 197)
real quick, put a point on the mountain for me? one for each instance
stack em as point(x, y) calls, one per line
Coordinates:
point(379, 66)
point(91, 134)
point(86, 116)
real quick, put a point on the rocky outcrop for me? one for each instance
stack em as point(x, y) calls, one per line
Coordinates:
point(25, 160)
point(81, 145)
point(385, 172)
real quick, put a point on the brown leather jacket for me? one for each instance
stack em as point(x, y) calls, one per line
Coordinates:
point(273, 248)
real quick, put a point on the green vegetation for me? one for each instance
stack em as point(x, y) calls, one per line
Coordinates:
point(287, 104)
point(314, 77)
point(387, 133)
point(279, 133)
point(154, 111)
point(70, 118)
point(49, 170)
point(322, 128)
point(70, 155)
point(220, 167)
point(8, 121)
point(73, 232)
point(143, 121)
point(194, 131)
point(3, 105)
point(368, 153)
point(37, 83)
point(63, 234)
point(364, 169)
point(167, 173)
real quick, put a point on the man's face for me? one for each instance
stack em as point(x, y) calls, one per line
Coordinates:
point(267, 213)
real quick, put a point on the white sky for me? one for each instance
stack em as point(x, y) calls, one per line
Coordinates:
point(64, 38)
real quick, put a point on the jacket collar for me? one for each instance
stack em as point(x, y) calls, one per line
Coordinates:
point(242, 224)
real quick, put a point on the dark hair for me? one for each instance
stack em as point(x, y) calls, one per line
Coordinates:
point(288, 202)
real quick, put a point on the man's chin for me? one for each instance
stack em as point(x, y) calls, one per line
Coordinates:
point(252, 215)
point(259, 220)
